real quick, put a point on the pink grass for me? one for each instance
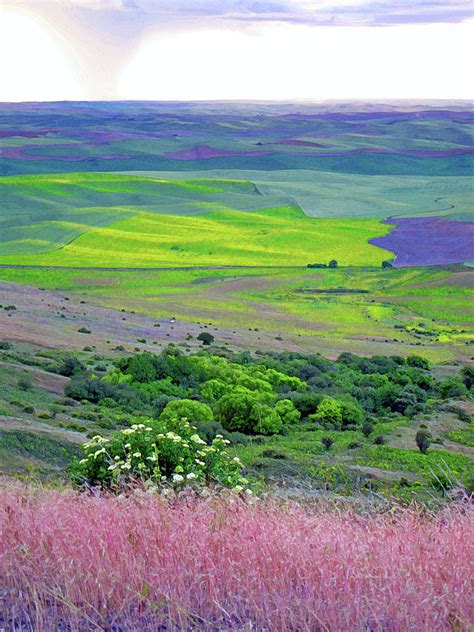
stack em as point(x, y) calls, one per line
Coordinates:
point(77, 562)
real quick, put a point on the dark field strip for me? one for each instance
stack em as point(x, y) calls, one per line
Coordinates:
point(145, 269)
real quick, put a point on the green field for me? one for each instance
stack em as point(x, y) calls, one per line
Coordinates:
point(274, 237)
point(332, 194)
point(44, 212)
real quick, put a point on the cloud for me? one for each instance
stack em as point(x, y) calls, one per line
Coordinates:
point(288, 61)
point(309, 12)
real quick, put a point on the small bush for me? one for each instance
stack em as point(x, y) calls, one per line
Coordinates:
point(453, 387)
point(423, 440)
point(327, 442)
point(367, 428)
point(24, 384)
point(270, 453)
point(379, 440)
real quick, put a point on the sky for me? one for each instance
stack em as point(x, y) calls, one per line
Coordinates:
point(283, 50)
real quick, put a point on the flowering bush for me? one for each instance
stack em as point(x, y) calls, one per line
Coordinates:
point(170, 452)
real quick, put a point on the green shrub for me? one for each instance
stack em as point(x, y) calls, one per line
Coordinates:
point(267, 420)
point(158, 452)
point(213, 390)
point(418, 362)
point(25, 384)
point(187, 409)
point(328, 413)
point(70, 366)
point(367, 428)
point(453, 387)
point(423, 440)
point(287, 411)
point(467, 374)
point(234, 411)
point(327, 442)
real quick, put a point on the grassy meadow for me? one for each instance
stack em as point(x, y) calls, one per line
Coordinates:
point(351, 308)
point(271, 237)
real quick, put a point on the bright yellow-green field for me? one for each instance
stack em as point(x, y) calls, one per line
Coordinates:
point(282, 236)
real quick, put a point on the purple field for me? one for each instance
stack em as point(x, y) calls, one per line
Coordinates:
point(426, 241)
point(133, 136)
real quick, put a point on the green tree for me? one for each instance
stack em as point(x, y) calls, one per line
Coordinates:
point(352, 413)
point(195, 412)
point(234, 411)
point(142, 367)
point(418, 362)
point(267, 420)
point(287, 411)
point(329, 413)
point(213, 390)
point(206, 338)
point(332, 264)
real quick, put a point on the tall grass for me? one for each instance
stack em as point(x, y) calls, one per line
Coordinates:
point(78, 562)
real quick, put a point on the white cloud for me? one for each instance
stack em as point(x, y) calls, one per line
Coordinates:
point(35, 64)
point(283, 61)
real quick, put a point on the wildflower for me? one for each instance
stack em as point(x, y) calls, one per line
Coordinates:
point(200, 462)
point(97, 452)
point(238, 489)
point(137, 454)
point(191, 476)
point(249, 492)
point(126, 466)
point(177, 478)
point(148, 429)
point(82, 461)
point(151, 458)
point(128, 446)
point(197, 439)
